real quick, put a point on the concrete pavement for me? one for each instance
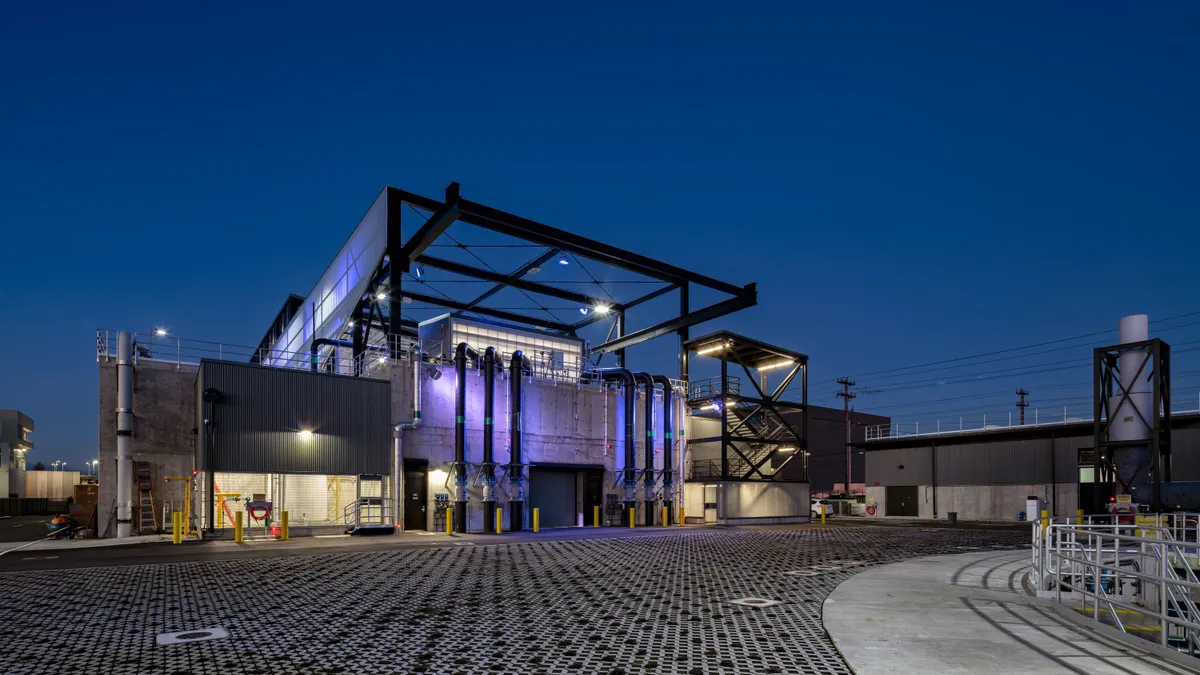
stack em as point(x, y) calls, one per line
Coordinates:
point(966, 613)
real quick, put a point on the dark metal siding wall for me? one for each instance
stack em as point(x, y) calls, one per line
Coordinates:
point(1012, 462)
point(884, 467)
point(261, 410)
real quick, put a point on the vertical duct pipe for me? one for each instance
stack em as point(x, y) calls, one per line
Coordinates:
point(1133, 464)
point(516, 471)
point(460, 439)
point(398, 438)
point(668, 481)
point(124, 435)
point(487, 468)
point(648, 473)
point(629, 484)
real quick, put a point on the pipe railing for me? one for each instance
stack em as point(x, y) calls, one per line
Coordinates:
point(1138, 568)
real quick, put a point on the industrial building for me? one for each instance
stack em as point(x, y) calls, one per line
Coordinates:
point(15, 428)
point(1148, 455)
point(351, 414)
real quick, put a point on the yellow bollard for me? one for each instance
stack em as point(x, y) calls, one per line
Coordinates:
point(681, 517)
point(632, 517)
point(664, 517)
point(176, 527)
point(1078, 516)
point(449, 520)
point(283, 526)
point(237, 527)
point(536, 514)
point(499, 521)
point(595, 516)
point(1045, 519)
point(822, 514)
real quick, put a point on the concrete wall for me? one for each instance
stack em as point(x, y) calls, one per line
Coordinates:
point(983, 502)
point(164, 410)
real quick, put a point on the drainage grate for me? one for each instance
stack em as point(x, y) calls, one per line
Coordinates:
point(186, 636)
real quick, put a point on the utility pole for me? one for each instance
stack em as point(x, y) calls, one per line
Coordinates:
point(1022, 404)
point(845, 395)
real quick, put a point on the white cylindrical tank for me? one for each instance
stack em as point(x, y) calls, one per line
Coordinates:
point(1127, 425)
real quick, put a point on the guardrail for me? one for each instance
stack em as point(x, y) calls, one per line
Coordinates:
point(1116, 565)
point(940, 427)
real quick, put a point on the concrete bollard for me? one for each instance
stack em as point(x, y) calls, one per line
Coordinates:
point(176, 527)
point(595, 516)
point(536, 519)
point(283, 525)
point(238, 530)
point(499, 521)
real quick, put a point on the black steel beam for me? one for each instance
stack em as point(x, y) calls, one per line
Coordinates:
point(649, 296)
point(747, 297)
point(537, 233)
point(499, 314)
point(432, 229)
point(505, 279)
point(517, 274)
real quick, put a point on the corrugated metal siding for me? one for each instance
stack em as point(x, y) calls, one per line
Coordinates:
point(1185, 454)
point(883, 467)
point(256, 422)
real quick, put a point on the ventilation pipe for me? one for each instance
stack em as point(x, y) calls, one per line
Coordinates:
point(488, 468)
point(398, 437)
point(629, 485)
point(648, 473)
point(516, 471)
point(668, 481)
point(460, 439)
point(1133, 464)
point(124, 435)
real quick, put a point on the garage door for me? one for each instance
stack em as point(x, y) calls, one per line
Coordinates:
point(552, 492)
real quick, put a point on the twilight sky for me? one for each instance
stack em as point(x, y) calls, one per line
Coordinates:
point(907, 182)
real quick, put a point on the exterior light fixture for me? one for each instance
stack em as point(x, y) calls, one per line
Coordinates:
point(562, 259)
point(710, 350)
point(786, 450)
point(350, 323)
point(405, 300)
point(533, 270)
point(381, 295)
point(714, 406)
point(777, 364)
point(583, 310)
point(418, 271)
point(602, 309)
point(160, 331)
point(304, 433)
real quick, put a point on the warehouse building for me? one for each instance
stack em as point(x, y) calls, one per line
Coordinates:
point(351, 414)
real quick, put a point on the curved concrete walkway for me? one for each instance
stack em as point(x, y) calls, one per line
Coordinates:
point(966, 613)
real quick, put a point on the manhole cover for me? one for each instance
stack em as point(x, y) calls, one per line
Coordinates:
point(198, 635)
point(802, 573)
point(754, 602)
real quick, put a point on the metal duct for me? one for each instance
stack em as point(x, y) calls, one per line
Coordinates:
point(668, 449)
point(648, 471)
point(488, 466)
point(124, 435)
point(460, 438)
point(629, 485)
point(516, 471)
point(1133, 465)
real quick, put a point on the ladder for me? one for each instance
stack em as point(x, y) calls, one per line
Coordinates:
point(147, 518)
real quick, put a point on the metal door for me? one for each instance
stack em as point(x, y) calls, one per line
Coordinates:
point(593, 495)
point(416, 496)
point(902, 500)
point(552, 492)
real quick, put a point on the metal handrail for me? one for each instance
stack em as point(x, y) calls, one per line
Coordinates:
point(1099, 562)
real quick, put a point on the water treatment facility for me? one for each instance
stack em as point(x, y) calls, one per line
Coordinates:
point(353, 414)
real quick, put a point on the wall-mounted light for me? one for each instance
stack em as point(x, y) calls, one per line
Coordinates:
point(562, 259)
point(304, 433)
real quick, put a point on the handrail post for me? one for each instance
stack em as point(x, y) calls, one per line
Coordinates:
point(1096, 580)
point(1164, 624)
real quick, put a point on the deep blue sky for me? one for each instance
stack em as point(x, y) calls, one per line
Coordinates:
point(905, 181)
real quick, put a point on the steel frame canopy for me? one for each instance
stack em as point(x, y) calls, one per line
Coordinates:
point(403, 255)
point(761, 431)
